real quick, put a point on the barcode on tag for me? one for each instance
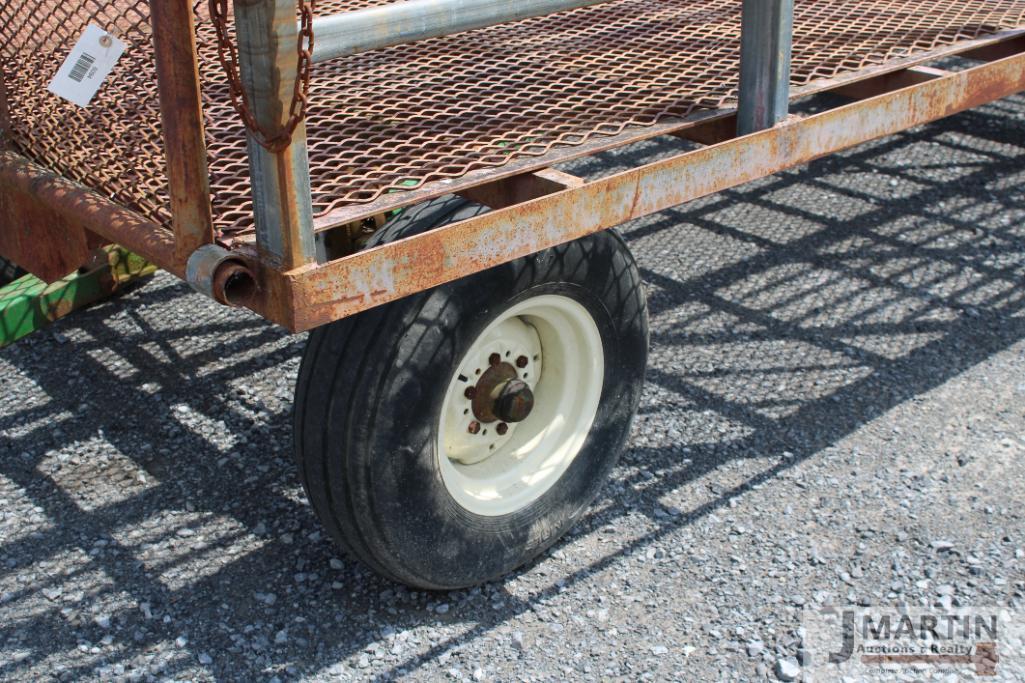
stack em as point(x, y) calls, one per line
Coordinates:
point(90, 62)
point(82, 66)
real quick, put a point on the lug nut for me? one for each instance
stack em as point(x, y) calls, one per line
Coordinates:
point(474, 427)
point(502, 429)
point(495, 359)
point(522, 361)
point(470, 392)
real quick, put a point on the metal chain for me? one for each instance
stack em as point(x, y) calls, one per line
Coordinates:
point(227, 54)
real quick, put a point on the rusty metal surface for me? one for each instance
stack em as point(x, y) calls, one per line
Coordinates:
point(68, 204)
point(715, 125)
point(37, 237)
point(114, 146)
point(316, 296)
point(181, 108)
point(395, 120)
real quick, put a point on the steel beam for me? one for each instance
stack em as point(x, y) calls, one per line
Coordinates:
point(522, 188)
point(282, 204)
point(27, 189)
point(181, 111)
point(890, 82)
point(993, 51)
point(766, 41)
point(350, 33)
point(311, 297)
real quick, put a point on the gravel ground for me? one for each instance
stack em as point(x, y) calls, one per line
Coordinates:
point(833, 415)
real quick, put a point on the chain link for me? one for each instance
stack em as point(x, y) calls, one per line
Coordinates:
point(227, 54)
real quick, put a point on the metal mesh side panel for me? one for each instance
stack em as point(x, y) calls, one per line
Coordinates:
point(404, 116)
point(114, 146)
point(398, 118)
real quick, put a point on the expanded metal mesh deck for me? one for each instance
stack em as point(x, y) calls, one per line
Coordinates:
point(395, 119)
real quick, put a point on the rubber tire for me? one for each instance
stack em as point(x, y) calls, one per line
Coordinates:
point(9, 272)
point(370, 391)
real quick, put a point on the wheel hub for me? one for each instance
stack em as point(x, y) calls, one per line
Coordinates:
point(515, 401)
point(500, 395)
point(520, 404)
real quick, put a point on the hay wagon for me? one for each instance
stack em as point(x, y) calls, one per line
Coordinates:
point(385, 175)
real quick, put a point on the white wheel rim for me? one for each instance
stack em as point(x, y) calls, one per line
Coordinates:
point(493, 474)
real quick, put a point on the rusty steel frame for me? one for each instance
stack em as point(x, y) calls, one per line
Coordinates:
point(181, 110)
point(318, 295)
point(26, 188)
point(533, 208)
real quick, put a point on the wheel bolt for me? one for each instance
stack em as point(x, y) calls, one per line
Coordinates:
point(502, 429)
point(495, 359)
point(521, 362)
point(474, 427)
point(470, 392)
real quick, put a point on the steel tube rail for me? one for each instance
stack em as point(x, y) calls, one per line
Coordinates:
point(350, 33)
point(766, 44)
point(5, 116)
point(181, 111)
point(282, 199)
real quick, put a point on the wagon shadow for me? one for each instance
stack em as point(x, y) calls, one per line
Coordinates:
point(779, 327)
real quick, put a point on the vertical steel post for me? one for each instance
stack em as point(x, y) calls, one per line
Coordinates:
point(766, 40)
point(181, 111)
point(268, 37)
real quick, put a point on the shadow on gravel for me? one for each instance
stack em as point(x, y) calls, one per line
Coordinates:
point(785, 315)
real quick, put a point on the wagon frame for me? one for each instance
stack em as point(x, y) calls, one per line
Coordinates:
point(290, 287)
point(291, 272)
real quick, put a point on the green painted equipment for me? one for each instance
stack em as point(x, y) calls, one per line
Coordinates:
point(29, 304)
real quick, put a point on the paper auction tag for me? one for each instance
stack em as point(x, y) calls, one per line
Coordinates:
point(88, 65)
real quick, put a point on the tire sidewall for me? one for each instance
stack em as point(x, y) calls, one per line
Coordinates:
point(422, 526)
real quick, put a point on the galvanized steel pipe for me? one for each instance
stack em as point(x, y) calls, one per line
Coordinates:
point(765, 56)
point(350, 33)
